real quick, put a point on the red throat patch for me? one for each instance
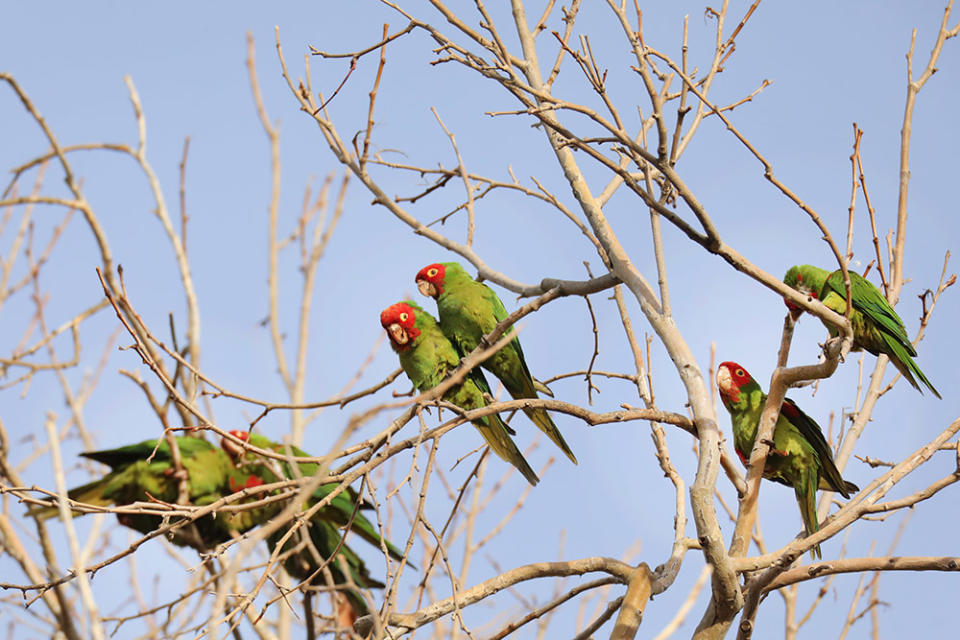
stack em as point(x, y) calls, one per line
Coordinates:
point(435, 274)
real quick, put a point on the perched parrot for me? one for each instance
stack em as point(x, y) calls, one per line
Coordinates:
point(341, 510)
point(799, 457)
point(135, 479)
point(321, 534)
point(876, 326)
point(427, 356)
point(468, 311)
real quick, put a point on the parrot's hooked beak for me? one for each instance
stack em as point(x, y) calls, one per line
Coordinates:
point(427, 288)
point(398, 334)
point(723, 380)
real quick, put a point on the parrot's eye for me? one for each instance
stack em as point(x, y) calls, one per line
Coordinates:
point(404, 316)
point(739, 373)
point(432, 272)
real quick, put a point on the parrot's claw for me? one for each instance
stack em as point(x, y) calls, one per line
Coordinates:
point(773, 447)
point(833, 347)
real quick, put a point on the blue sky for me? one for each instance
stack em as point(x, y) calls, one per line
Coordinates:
point(830, 65)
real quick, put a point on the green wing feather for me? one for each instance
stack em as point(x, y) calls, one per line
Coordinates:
point(304, 563)
point(344, 508)
point(868, 300)
point(468, 311)
point(876, 326)
point(122, 456)
point(830, 477)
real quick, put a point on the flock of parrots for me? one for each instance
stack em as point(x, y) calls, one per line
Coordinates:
point(428, 351)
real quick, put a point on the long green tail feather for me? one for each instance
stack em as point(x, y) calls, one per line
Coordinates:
point(830, 478)
point(365, 529)
point(523, 385)
point(542, 388)
point(497, 435)
point(806, 492)
point(905, 365)
point(90, 493)
point(545, 423)
point(301, 563)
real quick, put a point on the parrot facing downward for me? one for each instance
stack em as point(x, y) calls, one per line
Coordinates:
point(135, 479)
point(427, 356)
point(468, 311)
point(321, 532)
point(876, 326)
point(799, 457)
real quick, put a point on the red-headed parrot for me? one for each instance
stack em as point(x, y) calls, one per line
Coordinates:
point(133, 479)
point(799, 457)
point(468, 311)
point(341, 510)
point(876, 326)
point(305, 552)
point(427, 356)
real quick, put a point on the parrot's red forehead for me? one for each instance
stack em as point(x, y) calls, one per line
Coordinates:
point(730, 378)
point(240, 435)
point(434, 273)
point(738, 374)
point(400, 313)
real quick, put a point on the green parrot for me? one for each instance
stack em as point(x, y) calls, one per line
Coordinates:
point(133, 478)
point(799, 457)
point(321, 533)
point(341, 509)
point(427, 356)
point(876, 326)
point(468, 311)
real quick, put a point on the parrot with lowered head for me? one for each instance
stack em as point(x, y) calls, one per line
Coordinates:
point(799, 456)
point(876, 326)
point(468, 311)
point(144, 471)
point(427, 356)
point(341, 509)
point(321, 534)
